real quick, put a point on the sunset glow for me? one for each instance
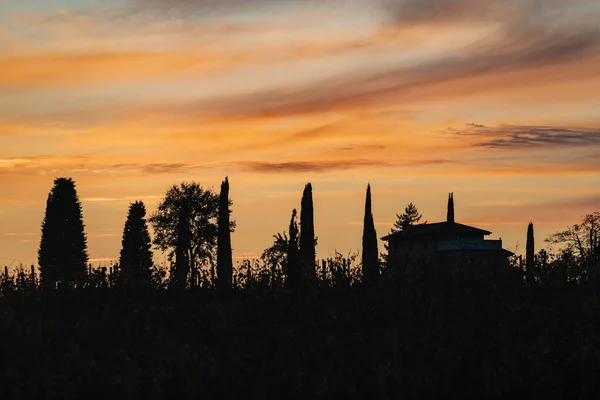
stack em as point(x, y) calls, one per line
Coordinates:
point(498, 102)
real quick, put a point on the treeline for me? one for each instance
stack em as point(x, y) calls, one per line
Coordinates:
point(193, 226)
point(287, 325)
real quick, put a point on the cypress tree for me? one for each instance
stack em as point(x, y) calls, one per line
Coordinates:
point(292, 267)
point(62, 255)
point(224, 257)
point(308, 256)
point(450, 215)
point(135, 261)
point(370, 254)
point(529, 255)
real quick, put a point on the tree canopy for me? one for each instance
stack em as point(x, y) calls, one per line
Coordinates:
point(185, 224)
point(370, 255)
point(292, 267)
point(410, 217)
point(135, 261)
point(581, 238)
point(224, 256)
point(308, 254)
point(62, 255)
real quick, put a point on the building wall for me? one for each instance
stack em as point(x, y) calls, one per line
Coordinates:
point(403, 249)
point(483, 257)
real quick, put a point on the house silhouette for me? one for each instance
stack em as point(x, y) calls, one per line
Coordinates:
point(447, 241)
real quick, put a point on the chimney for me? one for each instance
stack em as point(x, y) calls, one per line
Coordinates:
point(450, 216)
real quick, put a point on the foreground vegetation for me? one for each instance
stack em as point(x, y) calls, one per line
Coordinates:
point(443, 330)
point(287, 326)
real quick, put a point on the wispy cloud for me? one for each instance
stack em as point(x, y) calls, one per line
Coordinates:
point(523, 50)
point(521, 136)
point(308, 166)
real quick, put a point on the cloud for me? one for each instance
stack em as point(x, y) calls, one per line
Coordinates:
point(522, 136)
point(199, 9)
point(88, 164)
point(308, 166)
point(159, 168)
point(361, 147)
point(43, 164)
point(58, 69)
point(528, 49)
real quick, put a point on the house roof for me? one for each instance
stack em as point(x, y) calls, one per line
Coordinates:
point(438, 228)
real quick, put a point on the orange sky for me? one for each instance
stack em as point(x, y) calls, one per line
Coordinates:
point(498, 103)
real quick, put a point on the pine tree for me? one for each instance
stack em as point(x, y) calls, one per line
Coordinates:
point(370, 254)
point(62, 255)
point(529, 255)
point(224, 257)
point(135, 262)
point(409, 218)
point(308, 257)
point(292, 267)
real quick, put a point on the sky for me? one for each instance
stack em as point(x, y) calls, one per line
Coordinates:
point(497, 102)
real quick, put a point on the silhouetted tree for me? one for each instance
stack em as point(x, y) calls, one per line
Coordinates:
point(582, 241)
point(370, 254)
point(275, 257)
point(410, 217)
point(292, 268)
point(530, 255)
point(450, 214)
point(62, 255)
point(224, 257)
point(183, 248)
point(185, 225)
point(135, 261)
point(308, 256)
point(581, 238)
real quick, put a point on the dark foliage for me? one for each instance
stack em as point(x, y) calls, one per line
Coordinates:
point(308, 255)
point(410, 217)
point(370, 254)
point(450, 214)
point(224, 256)
point(135, 262)
point(466, 331)
point(185, 225)
point(529, 255)
point(292, 269)
point(62, 255)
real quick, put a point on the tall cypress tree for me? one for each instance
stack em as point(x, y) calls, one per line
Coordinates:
point(370, 254)
point(292, 267)
point(308, 256)
point(135, 261)
point(450, 214)
point(62, 255)
point(224, 257)
point(529, 255)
